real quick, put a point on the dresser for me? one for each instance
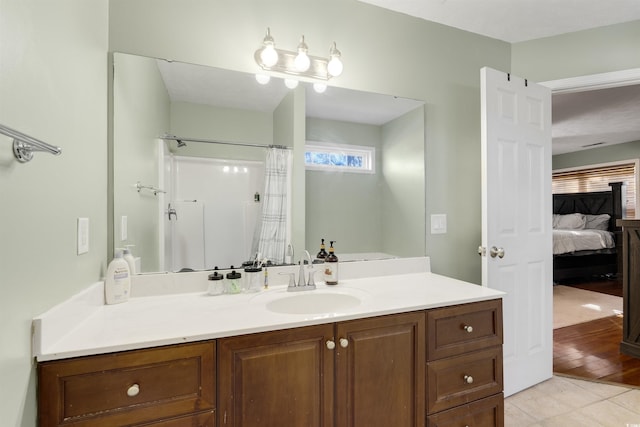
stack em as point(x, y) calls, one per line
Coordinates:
point(630, 344)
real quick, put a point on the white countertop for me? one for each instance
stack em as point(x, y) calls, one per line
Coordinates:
point(85, 326)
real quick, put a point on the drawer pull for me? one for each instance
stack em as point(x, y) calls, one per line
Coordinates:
point(468, 379)
point(133, 390)
point(344, 343)
point(331, 345)
point(468, 328)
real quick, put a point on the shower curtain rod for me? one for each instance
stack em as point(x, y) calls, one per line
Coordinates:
point(212, 141)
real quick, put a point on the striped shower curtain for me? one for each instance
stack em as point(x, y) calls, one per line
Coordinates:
point(271, 236)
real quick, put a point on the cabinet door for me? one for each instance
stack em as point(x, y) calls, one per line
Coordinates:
point(380, 371)
point(277, 379)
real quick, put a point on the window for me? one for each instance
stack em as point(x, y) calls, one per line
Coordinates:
point(335, 157)
point(597, 178)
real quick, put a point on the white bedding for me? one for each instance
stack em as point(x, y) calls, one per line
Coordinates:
point(566, 241)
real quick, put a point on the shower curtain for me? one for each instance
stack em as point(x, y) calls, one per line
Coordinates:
point(271, 235)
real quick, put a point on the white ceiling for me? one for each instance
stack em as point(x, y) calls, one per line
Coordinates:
point(231, 89)
point(518, 20)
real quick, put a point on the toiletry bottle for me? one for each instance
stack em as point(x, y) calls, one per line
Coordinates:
point(128, 256)
point(322, 255)
point(233, 285)
point(330, 267)
point(216, 283)
point(117, 284)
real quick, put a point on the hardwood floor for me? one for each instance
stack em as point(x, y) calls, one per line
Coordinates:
point(591, 350)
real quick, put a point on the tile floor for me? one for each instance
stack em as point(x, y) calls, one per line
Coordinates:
point(568, 402)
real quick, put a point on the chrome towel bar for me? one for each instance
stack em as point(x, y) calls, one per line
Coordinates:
point(25, 145)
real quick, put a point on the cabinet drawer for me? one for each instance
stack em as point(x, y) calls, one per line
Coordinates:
point(129, 387)
point(458, 380)
point(463, 328)
point(488, 412)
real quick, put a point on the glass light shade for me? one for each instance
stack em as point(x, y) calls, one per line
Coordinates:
point(302, 61)
point(320, 87)
point(263, 79)
point(269, 56)
point(334, 67)
point(291, 83)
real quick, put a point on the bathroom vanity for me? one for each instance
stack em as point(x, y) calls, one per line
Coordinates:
point(414, 349)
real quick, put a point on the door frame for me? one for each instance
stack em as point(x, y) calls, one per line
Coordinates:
point(594, 81)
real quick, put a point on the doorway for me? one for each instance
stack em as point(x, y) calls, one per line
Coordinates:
point(616, 81)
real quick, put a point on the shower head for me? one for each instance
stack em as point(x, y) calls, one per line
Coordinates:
point(181, 143)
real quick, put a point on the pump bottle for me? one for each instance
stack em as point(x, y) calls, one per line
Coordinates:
point(330, 267)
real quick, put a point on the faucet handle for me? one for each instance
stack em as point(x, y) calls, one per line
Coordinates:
point(311, 281)
point(292, 280)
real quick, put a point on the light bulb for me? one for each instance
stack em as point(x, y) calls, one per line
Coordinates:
point(334, 67)
point(302, 61)
point(263, 79)
point(319, 87)
point(269, 56)
point(291, 83)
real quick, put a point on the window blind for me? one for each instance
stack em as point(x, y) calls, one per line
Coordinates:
point(598, 179)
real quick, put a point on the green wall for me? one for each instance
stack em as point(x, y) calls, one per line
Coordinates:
point(53, 86)
point(600, 50)
point(594, 156)
point(141, 113)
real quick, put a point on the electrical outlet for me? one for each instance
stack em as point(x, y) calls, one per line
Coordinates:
point(83, 235)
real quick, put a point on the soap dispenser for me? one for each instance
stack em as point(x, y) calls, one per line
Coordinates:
point(117, 284)
point(322, 255)
point(330, 268)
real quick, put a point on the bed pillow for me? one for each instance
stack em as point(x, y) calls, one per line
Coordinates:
point(597, 222)
point(574, 221)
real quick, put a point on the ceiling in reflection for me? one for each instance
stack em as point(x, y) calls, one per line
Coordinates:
point(231, 89)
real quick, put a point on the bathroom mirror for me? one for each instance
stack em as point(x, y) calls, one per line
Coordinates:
point(178, 200)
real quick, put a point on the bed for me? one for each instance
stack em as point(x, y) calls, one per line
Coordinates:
point(592, 216)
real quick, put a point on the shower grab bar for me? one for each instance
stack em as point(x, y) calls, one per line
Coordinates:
point(24, 145)
point(154, 190)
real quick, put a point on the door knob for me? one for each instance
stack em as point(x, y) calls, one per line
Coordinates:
point(499, 252)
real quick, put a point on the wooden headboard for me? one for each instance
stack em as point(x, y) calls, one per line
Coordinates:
point(596, 203)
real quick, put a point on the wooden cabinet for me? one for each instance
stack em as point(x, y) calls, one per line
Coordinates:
point(166, 386)
point(280, 378)
point(464, 365)
point(630, 344)
point(367, 372)
point(440, 367)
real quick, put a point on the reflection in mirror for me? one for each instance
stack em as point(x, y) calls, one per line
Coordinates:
point(211, 192)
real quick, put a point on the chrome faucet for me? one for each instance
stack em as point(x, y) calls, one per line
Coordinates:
point(305, 283)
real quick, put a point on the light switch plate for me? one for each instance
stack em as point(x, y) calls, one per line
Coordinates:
point(438, 223)
point(83, 235)
point(123, 227)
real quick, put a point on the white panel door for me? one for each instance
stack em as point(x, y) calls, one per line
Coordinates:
point(516, 221)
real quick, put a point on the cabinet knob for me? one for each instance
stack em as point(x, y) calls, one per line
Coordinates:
point(331, 345)
point(133, 390)
point(344, 343)
point(468, 328)
point(468, 379)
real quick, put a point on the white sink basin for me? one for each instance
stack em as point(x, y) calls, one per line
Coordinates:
point(313, 302)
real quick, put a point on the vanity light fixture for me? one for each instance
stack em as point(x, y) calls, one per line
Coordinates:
point(298, 63)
